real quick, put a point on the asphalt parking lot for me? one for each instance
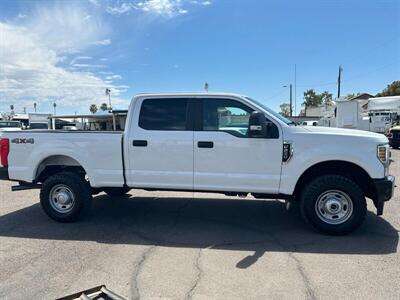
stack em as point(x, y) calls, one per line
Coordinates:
point(194, 246)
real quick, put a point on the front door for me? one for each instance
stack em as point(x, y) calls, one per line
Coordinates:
point(226, 159)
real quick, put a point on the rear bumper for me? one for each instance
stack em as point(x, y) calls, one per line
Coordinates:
point(384, 192)
point(4, 173)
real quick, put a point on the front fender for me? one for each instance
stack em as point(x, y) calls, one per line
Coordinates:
point(307, 154)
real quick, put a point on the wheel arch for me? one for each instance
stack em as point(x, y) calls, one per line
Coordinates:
point(337, 167)
point(57, 163)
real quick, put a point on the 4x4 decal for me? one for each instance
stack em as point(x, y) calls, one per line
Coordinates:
point(22, 141)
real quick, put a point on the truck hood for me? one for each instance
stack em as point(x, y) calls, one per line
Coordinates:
point(377, 137)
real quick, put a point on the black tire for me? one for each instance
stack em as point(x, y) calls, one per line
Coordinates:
point(395, 147)
point(313, 194)
point(77, 186)
point(116, 192)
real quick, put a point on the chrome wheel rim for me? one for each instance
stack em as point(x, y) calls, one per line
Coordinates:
point(334, 207)
point(61, 198)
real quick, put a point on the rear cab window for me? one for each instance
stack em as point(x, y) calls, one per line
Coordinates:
point(164, 114)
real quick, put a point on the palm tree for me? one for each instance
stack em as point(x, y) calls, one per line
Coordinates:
point(103, 107)
point(34, 105)
point(93, 108)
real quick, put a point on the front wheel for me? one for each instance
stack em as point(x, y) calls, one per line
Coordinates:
point(333, 204)
point(65, 197)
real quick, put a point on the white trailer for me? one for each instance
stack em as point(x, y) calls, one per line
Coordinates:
point(39, 120)
point(383, 112)
point(349, 115)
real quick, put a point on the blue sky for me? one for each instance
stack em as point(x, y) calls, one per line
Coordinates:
point(70, 51)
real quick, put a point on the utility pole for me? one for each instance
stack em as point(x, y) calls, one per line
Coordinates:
point(295, 90)
point(291, 106)
point(339, 80)
point(290, 99)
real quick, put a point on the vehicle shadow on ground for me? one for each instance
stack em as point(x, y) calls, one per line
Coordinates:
point(228, 224)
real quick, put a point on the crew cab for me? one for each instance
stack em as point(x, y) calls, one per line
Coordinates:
point(207, 142)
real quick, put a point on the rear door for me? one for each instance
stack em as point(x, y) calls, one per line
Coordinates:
point(225, 158)
point(161, 144)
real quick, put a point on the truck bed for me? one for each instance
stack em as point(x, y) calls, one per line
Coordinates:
point(98, 152)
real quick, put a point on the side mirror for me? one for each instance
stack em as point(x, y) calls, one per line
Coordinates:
point(258, 125)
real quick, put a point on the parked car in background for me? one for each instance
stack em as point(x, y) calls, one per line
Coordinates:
point(394, 137)
point(309, 123)
point(10, 125)
point(69, 127)
point(207, 142)
point(38, 125)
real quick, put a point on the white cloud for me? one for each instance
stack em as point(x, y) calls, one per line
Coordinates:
point(199, 2)
point(114, 77)
point(167, 8)
point(93, 66)
point(78, 58)
point(94, 2)
point(105, 42)
point(162, 7)
point(66, 27)
point(21, 16)
point(31, 72)
point(119, 9)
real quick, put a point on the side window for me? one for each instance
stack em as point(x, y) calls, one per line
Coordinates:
point(163, 114)
point(226, 115)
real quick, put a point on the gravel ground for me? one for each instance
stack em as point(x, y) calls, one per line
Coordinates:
point(194, 246)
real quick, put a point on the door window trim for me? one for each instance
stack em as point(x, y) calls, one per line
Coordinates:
point(198, 117)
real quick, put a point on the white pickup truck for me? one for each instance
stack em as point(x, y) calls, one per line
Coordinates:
point(207, 142)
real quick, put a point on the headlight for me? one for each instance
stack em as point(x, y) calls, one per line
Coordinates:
point(383, 153)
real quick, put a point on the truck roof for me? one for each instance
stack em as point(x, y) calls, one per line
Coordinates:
point(189, 94)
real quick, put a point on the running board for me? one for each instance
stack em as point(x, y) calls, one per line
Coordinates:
point(25, 186)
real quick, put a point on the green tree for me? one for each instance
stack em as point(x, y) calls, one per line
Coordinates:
point(326, 98)
point(285, 109)
point(104, 107)
point(93, 108)
point(312, 99)
point(392, 89)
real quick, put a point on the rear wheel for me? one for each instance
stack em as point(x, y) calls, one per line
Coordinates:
point(65, 197)
point(333, 204)
point(115, 192)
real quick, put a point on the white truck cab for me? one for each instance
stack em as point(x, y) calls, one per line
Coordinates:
point(208, 142)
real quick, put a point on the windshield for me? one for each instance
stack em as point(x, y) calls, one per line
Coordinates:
point(10, 125)
point(275, 114)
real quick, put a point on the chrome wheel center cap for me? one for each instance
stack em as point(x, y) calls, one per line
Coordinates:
point(63, 198)
point(333, 206)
